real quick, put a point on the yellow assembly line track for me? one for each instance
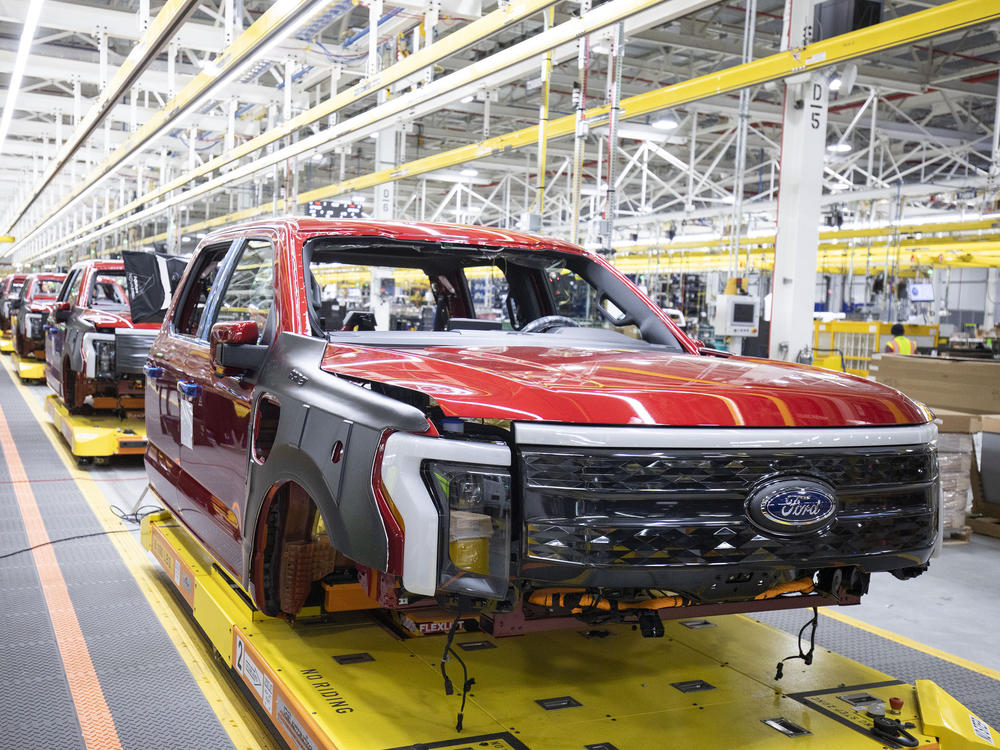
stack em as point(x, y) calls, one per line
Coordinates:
point(238, 719)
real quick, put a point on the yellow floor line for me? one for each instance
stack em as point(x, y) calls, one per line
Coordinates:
point(909, 643)
point(233, 712)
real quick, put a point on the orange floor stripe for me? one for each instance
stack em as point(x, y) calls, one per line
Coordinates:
point(96, 722)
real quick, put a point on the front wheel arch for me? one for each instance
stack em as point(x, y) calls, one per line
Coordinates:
point(287, 557)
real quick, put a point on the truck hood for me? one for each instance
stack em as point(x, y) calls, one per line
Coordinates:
point(626, 387)
point(106, 319)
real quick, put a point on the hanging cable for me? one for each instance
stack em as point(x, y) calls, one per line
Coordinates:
point(467, 682)
point(806, 656)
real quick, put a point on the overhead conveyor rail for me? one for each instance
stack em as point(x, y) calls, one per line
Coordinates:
point(907, 29)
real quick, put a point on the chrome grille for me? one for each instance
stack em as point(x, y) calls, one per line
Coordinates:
point(643, 508)
point(638, 472)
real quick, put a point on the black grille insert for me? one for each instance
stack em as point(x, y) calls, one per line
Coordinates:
point(625, 508)
point(731, 472)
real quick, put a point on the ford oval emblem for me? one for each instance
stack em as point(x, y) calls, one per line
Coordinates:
point(792, 506)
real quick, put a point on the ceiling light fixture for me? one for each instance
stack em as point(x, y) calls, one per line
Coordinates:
point(20, 63)
point(469, 172)
point(666, 122)
point(839, 147)
point(836, 83)
point(211, 67)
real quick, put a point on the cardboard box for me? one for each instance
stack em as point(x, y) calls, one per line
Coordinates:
point(985, 525)
point(967, 385)
point(951, 421)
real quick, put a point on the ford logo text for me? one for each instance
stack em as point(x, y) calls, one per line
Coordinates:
point(792, 506)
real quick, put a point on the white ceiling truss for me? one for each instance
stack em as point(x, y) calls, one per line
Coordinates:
point(246, 108)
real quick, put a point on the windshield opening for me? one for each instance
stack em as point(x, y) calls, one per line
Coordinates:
point(45, 288)
point(107, 291)
point(396, 286)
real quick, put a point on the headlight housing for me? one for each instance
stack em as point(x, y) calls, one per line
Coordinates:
point(474, 506)
point(104, 367)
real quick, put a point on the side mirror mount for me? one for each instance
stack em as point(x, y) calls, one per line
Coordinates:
point(234, 348)
point(62, 311)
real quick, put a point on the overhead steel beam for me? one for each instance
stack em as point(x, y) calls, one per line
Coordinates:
point(118, 23)
point(507, 64)
point(154, 79)
point(278, 19)
point(163, 28)
point(119, 113)
point(448, 46)
point(951, 16)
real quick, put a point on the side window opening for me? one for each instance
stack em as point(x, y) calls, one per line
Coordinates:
point(249, 295)
point(71, 288)
point(48, 287)
point(191, 310)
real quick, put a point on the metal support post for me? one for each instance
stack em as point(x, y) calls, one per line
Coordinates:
point(487, 96)
point(992, 298)
point(132, 113)
point(232, 106)
point(336, 72)
point(543, 118)
point(614, 115)
point(228, 20)
point(374, 14)
point(692, 156)
point(286, 110)
point(59, 128)
point(431, 18)
point(77, 101)
point(742, 127)
point(173, 233)
point(800, 186)
point(172, 49)
point(192, 140)
point(580, 131)
point(102, 53)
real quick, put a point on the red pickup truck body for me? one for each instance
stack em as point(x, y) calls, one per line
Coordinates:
point(496, 419)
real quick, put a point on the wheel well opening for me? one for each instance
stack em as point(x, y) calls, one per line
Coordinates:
point(296, 555)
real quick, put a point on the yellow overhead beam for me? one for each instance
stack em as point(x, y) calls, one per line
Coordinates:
point(980, 228)
point(279, 17)
point(950, 16)
point(393, 108)
point(166, 24)
point(410, 65)
point(907, 29)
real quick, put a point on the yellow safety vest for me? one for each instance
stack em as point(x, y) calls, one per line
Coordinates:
point(902, 345)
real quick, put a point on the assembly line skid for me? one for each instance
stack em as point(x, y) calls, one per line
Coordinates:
point(354, 683)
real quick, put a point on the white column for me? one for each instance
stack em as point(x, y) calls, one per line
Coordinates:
point(77, 100)
point(385, 194)
point(992, 298)
point(803, 145)
point(102, 56)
